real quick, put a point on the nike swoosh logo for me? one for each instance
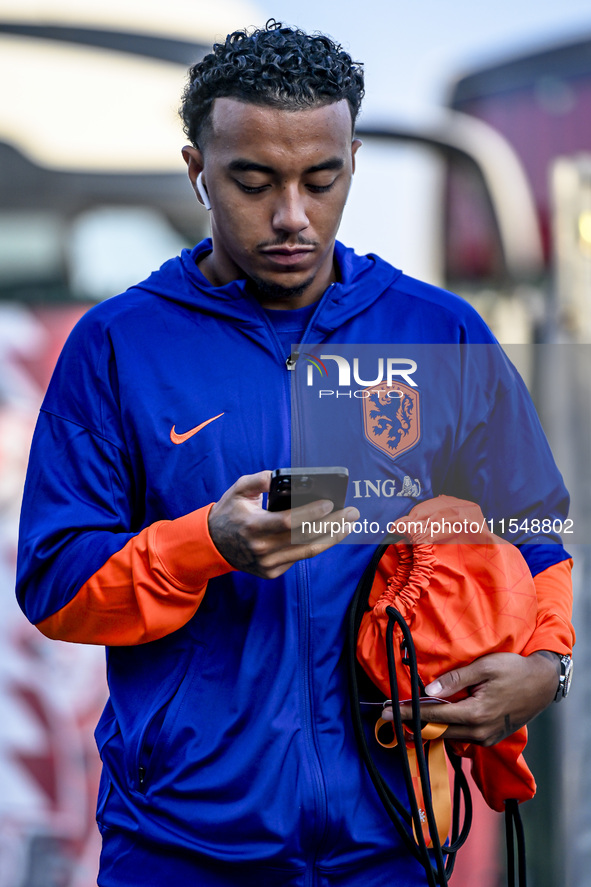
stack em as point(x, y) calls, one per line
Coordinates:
point(181, 438)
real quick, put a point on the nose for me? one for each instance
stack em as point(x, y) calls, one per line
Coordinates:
point(290, 212)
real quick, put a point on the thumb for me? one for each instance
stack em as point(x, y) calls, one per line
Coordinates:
point(450, 683)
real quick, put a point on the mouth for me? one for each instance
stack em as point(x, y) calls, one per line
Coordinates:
point(288, 256)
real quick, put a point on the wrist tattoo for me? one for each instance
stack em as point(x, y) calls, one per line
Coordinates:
point(231, 545)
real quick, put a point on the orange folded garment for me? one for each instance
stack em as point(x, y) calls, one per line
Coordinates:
point(461, 599)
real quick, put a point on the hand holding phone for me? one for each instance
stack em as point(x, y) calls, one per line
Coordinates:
point(261, 542)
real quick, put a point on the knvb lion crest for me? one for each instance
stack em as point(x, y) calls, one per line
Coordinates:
point(391, 417)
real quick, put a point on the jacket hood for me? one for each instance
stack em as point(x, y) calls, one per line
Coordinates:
point(362, 280)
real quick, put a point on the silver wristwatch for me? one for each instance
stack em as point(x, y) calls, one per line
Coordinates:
point(566, 676)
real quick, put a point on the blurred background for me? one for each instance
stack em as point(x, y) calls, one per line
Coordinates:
point(475, 174)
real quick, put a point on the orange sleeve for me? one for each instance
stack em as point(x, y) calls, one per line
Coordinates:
point(554, 630)
point(150, 588)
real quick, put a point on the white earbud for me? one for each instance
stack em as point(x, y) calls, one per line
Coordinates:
point(202, 191)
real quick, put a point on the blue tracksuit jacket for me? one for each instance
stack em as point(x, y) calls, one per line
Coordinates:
point(227, 744)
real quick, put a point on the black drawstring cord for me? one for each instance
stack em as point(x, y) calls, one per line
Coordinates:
point(441, 872)
point(393, 617)
point(395, 809)
point(397, 812)
point(461, 792)
point(514, 827)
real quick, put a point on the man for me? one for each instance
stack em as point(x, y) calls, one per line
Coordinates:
point(228, 751)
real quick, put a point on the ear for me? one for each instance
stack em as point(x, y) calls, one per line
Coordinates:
point(194, 160)
point(354, 149)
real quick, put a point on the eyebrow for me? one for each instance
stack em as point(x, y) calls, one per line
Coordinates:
point(243, 165)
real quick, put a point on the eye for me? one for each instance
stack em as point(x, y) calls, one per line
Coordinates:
point(320, 189)
point(250, 189)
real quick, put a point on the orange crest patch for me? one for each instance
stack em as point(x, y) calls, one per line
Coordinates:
point(391, 417)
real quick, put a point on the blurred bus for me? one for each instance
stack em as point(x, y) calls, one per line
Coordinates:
point(541, 103)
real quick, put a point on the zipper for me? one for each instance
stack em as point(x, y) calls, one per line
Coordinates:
point(301, 569)
point(306, 672)
point(148, 744)
point(291, 361)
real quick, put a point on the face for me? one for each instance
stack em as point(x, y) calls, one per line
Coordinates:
point(277, 182)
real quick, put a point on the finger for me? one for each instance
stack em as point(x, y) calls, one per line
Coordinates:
point(271, 544)
point(460, 725)
point(289, 522)
point(253, 485)
point(301, 513)
point(488, 733)
point(311, 547)
point(336, 531)
point(467, 721)
point(310, 525)
point(463, 713)
point(283, 556)
point(312, 522)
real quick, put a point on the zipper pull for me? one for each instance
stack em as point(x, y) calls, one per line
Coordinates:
point(142, 775)
point(291, 361)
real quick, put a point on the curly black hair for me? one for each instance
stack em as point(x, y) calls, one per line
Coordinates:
point(278, 66)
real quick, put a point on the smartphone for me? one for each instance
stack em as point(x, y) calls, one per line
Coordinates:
point(291, 487)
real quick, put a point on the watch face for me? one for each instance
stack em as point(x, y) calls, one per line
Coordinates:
point(566, 674)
